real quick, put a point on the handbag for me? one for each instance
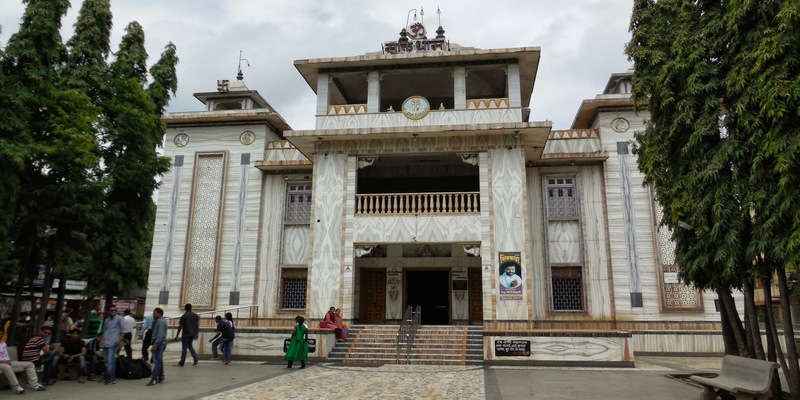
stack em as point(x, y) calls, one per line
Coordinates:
point(312, 344)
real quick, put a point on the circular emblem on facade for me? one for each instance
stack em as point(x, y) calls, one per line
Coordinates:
point(181, 139)
point(247, 137)
point(416, 107)
point(620, 125)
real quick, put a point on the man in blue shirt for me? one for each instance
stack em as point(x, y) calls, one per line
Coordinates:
point(113, 333)
point(147, 331)
point(159, 342)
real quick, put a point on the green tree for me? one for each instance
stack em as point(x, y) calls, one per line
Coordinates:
point(29, 67)
point(131, 134)
point(763, 92)
point(717, 147)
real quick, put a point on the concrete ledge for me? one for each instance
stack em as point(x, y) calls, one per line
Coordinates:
point(558, 348)
point(261, 343)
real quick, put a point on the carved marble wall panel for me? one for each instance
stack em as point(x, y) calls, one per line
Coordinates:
point(296, 240)
point(328, 240)
point(459, 294)
point(564, 242)
point(599, 285)
point(573, 141)
point(537, 244)
point(567, 348)
point(268, 276)
point(508, 198)
point(422, 144)
point(394, 289)
point(424, 229)
point(201, 269)
point(434, 118)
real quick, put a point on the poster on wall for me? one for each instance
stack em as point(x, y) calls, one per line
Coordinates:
point(510, 279)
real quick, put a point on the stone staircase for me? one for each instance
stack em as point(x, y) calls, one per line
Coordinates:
point(377, 344)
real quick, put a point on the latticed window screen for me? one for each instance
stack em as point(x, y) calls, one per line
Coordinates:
point(298, 203)
point(561, 201)
point(676, 295)
point(293, 287)
point(567, 289)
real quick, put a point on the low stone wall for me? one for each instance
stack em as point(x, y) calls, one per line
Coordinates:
point(549, 347)
point(259, 342)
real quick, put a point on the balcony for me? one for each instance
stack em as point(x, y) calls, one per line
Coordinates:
point(418, 203)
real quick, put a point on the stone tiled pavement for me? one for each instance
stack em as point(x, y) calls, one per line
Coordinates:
point(270, 380)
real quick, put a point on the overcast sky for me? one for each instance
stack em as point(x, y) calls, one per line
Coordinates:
point(581, 42)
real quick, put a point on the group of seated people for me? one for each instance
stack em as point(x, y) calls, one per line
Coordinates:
point(72, 352)
point(333, 319)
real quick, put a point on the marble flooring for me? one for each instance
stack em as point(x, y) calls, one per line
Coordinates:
point(381, 382)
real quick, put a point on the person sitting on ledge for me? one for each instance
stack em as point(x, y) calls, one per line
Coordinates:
point(330, 322)
point(342, 331)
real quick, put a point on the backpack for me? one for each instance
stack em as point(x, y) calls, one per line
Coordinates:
point(128, 369)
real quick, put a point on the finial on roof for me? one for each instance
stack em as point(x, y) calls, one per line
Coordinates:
point(403, 36)
point(440, 31)
point(240, 75)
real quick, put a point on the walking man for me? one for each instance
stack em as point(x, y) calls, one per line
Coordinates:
point(113, 334)
point(190, 326)
point(130, 323)
point(159, 342)
point(147, 333)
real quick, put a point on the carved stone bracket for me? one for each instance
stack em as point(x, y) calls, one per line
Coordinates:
point(364, 162)
point(472, 249)
point(471, 159)
point(362, 250)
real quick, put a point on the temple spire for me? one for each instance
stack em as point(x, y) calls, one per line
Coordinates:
point(240, 75)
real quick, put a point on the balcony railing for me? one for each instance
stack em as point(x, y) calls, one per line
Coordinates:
point(418, 203)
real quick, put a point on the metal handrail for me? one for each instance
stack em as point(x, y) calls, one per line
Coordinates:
point(415, 321)
point(243, 315)
point(407, 332)
point(403, 333)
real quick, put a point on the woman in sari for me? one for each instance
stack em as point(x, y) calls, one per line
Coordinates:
point(342, 332)
point(330, 322)
point(298, 348)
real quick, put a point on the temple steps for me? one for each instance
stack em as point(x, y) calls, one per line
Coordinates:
point(433, 345)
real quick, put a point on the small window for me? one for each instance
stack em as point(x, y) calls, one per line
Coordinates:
point(567, 288)
point(298, 204)
point(293, 288)
point(561, 198)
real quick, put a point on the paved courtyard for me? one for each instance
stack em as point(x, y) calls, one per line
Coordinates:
point(270, 380)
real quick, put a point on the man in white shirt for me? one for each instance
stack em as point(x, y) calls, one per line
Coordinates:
point(510, 279)
point(130, 323)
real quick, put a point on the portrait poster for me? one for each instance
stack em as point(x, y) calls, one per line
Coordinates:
point(510, 276)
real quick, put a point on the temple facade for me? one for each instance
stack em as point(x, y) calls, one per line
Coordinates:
point(425, 184)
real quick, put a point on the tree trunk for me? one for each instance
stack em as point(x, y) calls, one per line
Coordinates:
point(727, 333)
point(772, 330)
point(28, 236)
point(769, 321)
point(87, 313)
point(793, 378)
point(62, 290)
point(45, 300)
point(755, 347)
point(734, 321)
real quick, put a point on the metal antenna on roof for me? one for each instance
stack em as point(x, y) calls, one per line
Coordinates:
point(240, 75)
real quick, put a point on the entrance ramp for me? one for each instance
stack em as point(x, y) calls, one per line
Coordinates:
point(433, 345)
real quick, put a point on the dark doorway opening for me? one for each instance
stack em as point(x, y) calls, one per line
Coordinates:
point(430, 291)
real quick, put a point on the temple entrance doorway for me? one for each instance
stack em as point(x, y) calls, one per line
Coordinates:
point(373, 296)
point(475, 296)
point(429, 290)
